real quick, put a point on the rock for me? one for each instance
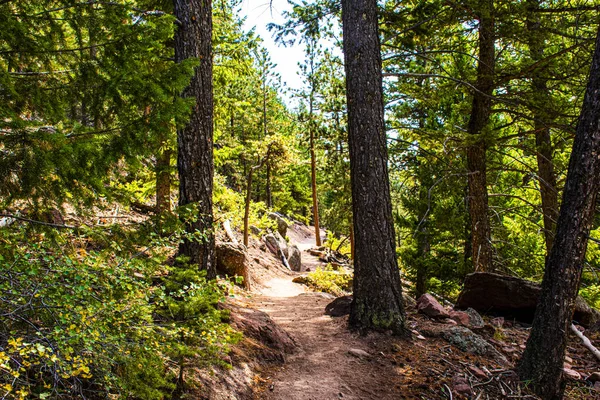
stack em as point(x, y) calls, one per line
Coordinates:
point(450, 321)
point(568, 359)
point(428, 305)
point(497, 322)
point(478, 372)
point(282, 225)
point(464, 339)
point(255, 230)
point(463, 389)
point(461, 386)
point(475, 320)
point(359, 353)
point(257, 325)
point(460, 317)
point(409, 302)
point(339, 307)
point(513, 297)
point(295, 258)
point(232, 261)
point(594, 377)
point(316, 253)
point(302, 280)
point(569, 373)
point(276, 243)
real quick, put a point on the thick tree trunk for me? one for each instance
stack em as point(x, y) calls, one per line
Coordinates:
point(377, 300)
point(542, 361)
point(195, 140)
point(481, 245)
point(543, 143)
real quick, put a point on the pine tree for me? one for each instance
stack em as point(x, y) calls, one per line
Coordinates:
point(377, 302)
point(193, 39)
point(542, 361)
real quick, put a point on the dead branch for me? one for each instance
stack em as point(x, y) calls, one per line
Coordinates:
point(586, 342)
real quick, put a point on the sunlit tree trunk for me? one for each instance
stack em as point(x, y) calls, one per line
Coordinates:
point(377, 303)
point(195, 140)
point(543, 143)
point(481, 245)
point(542, 361)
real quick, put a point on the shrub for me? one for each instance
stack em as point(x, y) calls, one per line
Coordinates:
point(98, 312)
point(336, 282)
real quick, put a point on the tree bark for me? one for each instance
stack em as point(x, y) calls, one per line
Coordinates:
point(481, 250)
point(542, 361)
point(313, 184)
point(163, 176)
point(195, 140)
point(543, 143)
point(377, 303)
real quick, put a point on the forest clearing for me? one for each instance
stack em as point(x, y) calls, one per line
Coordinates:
point(418, 220)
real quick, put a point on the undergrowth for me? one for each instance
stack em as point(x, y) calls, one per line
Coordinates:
point(99, 312)
point(329, 280)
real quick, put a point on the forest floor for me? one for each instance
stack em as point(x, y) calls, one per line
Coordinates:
point(331, 362)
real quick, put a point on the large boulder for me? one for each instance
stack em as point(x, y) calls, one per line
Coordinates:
point(513, 297)
point(339, 307)
point(232, 261)
point(258, 326)
point(295, 258)
point(282, 224)
point(276, 244)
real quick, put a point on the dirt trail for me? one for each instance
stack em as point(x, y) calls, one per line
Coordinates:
point(322, 368)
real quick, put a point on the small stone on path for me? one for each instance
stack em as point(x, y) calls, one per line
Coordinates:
point(359, 353)
point(569, 373)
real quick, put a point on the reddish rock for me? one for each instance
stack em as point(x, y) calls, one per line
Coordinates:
point(514, 297)
point(463, 389)
point(569, 373)
point(232, 261)
point(428, 305)
point(461, 317)
point(258, 326)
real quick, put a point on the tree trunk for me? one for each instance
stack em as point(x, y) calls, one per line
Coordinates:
point(377, 303)
point(543, 143)
point(542, 361)
point(163, 175)
point(268, 190)
point(351, 239)
point(423, 245)
point(481, 250)
point(313, 184)
point(195, 140)
point(247, 205)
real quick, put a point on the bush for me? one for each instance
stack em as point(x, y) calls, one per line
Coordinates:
point(336, 282)
point(80, 318)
